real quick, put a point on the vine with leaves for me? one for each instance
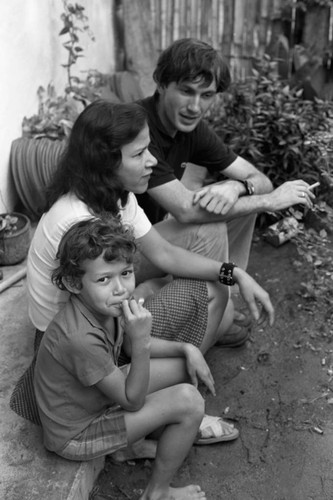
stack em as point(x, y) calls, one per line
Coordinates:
point(75, 22)
point(56, 113)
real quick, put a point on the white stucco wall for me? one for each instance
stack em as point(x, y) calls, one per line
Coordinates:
point(31, 54)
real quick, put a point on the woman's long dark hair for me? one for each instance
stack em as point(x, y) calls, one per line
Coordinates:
point(90, 163)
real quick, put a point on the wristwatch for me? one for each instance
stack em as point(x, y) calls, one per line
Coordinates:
point(249, 187)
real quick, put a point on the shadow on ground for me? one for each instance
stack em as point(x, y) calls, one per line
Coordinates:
point(278, 389)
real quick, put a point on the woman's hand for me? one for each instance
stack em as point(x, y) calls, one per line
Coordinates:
point(253, 293)
point(197, 367)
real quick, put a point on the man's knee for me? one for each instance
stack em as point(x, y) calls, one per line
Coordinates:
point(240, 233)
point(211, 240)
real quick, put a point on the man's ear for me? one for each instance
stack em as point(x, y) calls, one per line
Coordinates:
point(71, 286)
point(159, 88)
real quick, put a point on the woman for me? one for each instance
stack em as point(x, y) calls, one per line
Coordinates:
point(105, 162)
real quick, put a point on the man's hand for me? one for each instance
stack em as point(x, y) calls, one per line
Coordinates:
point(197, 367)
point(290, 193)
point(218, 198)
point(253, 294)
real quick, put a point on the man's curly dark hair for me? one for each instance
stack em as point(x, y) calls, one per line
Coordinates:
point(189, 59)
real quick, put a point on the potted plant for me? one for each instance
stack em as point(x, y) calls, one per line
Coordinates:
point(14, 238)
point(35, 155)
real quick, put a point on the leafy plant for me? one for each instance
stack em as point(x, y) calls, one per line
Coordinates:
point(270, 125)
point(315, 249)
point(75, 21)
point(56, 114)
point(8, 224)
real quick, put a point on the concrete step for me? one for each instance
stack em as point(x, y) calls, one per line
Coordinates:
point(28, 471)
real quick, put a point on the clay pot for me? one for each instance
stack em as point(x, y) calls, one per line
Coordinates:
point(33, 163)
point(14, 244)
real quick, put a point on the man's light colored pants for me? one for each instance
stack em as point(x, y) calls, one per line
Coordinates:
point(220, 241)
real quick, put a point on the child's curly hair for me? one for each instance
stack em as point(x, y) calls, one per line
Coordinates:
point(88, 239)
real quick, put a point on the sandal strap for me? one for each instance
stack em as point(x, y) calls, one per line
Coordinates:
point(212, 427)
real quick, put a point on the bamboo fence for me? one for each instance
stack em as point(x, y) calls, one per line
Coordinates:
point(242, 29)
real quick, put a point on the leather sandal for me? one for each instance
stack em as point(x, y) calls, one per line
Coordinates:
point(241, 318)
point(235, 337)
point(215, 430)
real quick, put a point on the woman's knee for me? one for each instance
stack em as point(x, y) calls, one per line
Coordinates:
point(218, 300)
point(218, 294)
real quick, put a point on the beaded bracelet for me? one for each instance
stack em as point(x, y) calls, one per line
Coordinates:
point(226, 273)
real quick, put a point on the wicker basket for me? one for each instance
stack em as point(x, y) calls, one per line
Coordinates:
point(14, 246)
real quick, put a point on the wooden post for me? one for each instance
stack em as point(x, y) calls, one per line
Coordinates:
point(141, 54)
point(228, 29)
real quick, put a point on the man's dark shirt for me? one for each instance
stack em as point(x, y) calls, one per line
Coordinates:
point(201, 147)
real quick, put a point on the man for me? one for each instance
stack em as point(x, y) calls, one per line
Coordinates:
point(213, 218)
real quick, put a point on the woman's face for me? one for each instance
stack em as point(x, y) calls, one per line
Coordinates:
point(137, 163)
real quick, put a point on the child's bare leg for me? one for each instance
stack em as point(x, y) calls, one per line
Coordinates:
point(178, 411)
point(172, 449)
point(142, 449)
point(164, 372)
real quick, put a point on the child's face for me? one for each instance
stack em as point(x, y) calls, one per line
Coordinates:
point(105, 285)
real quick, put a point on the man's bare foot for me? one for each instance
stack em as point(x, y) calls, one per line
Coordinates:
point(143, 449)
point(191, 492)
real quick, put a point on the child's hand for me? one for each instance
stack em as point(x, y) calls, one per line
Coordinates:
point(137, 321)
point(197, 368)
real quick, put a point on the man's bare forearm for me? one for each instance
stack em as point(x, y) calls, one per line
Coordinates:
point(245, 205)
point(208, 208)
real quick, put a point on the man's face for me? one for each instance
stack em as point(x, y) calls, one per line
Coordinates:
point(182, 105)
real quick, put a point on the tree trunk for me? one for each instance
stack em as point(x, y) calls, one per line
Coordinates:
point(141, 55)
point(315, 39)
point(227, 35)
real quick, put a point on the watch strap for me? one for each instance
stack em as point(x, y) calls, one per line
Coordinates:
point(226, 273)
point(248, 186)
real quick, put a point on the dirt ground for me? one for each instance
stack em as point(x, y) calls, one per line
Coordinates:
point(278, 390)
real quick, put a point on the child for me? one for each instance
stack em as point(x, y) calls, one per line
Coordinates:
point(89, 406)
